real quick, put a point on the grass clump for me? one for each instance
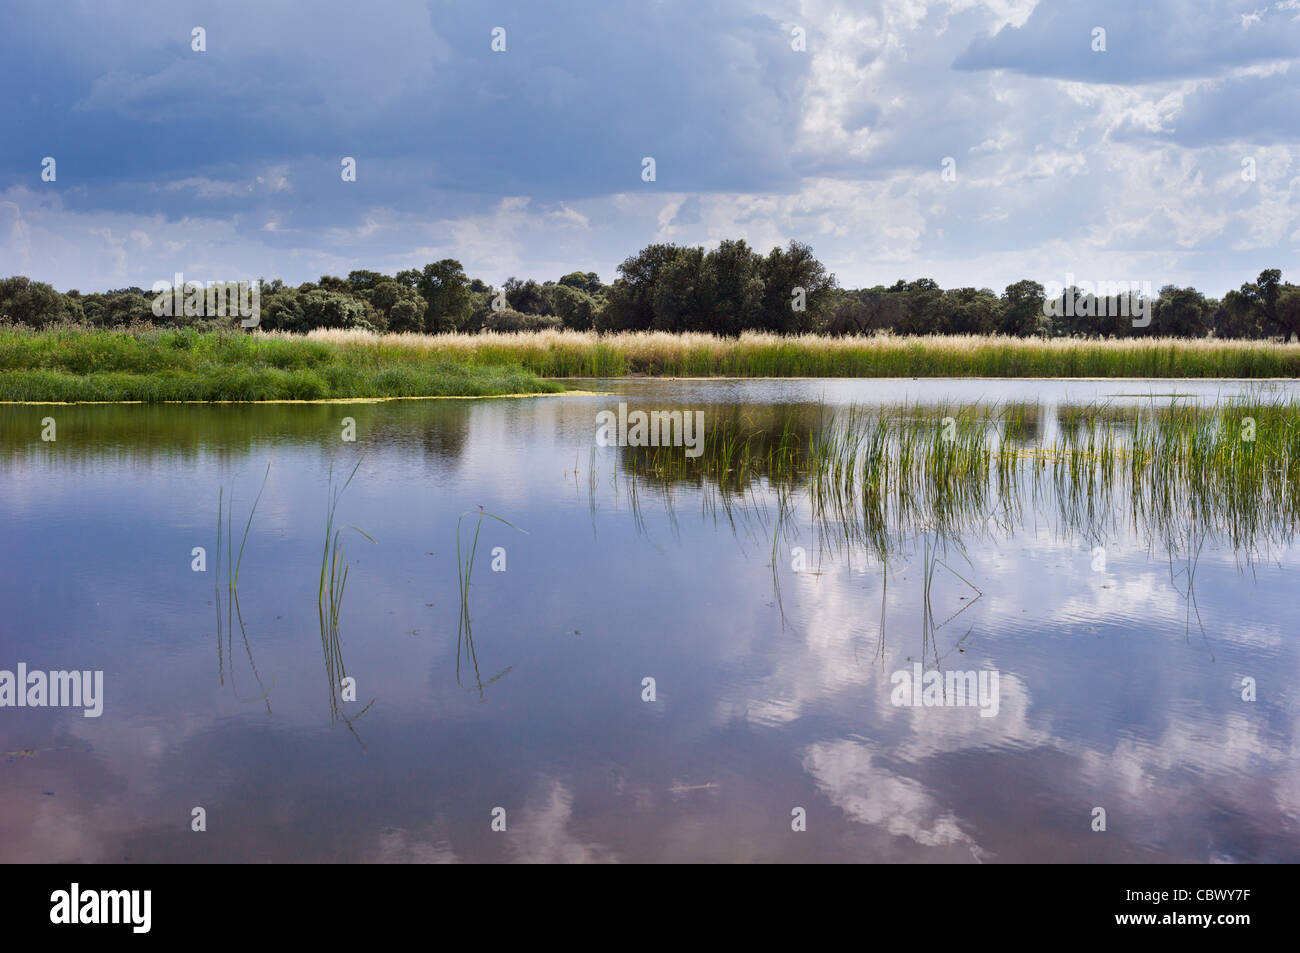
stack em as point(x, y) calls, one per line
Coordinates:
point(73, 364)
point(873, 476)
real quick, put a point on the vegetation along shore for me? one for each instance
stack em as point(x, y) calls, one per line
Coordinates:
point(151, 365)
point(671, 311)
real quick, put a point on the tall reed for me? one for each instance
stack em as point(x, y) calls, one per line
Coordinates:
point(465, 570)
point(329, 599)
point(233, 612)
point(758, 354)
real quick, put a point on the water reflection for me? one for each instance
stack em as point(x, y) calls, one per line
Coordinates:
point(465, 571)
point(1121, 671)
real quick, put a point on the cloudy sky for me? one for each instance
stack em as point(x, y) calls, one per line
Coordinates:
point(1123, 164)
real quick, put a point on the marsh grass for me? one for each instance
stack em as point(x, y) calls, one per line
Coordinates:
point(465, 570)
point(234, 614)
point(755, 354)
point(918, 482)
point(872, 476)
point(329, 600)
point(72, 364)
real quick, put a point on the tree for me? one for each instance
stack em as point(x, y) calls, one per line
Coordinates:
point(299, 311)
point(1238, 316)
point(399, 306)
point(682, 299)
point(121, 308)
point(282, 311)
point(1268, 288)
point(527, 297)
point(1287, 313)
point(921, 305)
point(508, 320)
point(786, 272)
point(35, 303)
point(969, 311)
point(738, 287)
point(332, 309)
point(629, 303)
point(1021, 311)
point(1180, 312)
point(587, 281)
point(847, 314)
point(363, 282)
point(574, 307)
point(445, 291)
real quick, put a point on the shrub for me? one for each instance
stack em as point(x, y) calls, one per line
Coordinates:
point(511, 320)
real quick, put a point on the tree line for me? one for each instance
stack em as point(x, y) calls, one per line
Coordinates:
point(668, 287)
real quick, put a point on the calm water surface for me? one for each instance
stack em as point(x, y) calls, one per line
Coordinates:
point(1119, 687)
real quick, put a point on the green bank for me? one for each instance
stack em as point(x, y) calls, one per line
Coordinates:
point(186, 365)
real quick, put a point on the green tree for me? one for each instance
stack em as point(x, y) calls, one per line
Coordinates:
point(786, 271)
point(123, 307)
point(36, 304)
point(282, 311)
point(445, 290)
point(1180, 312)
point(587, 281)
point(363, 282)
point(683, 294)
point(969, 311)
point(1287, 311)
point(1239, 316)
point(398, 306)
point(1021, 310)
point(508, 320)
point(630, 300)
point(921, 306)
point(527, 297)
point(738, 297)
point(573, 306)
point(1268, 287)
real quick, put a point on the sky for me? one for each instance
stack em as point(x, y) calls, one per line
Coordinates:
point(975, 142)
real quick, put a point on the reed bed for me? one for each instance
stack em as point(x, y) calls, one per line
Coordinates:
point(587, 354)
point(873, 477)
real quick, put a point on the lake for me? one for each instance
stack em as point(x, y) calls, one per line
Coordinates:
point(652, 659)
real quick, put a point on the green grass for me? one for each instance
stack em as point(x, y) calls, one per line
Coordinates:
point(873, 477)
point(661, 354)
point(184, 365)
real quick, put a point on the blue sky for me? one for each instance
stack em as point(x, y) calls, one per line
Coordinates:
point(225, 164)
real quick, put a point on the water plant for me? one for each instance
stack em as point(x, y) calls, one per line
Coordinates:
point(233, 612)
point(888, 482)
point(465, 570)
point(329, 599)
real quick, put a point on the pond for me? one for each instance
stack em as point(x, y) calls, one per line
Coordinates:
point(755, 654)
